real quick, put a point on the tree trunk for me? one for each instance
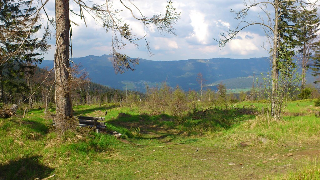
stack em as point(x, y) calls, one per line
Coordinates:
point(62, 66)
point(201, 86)
point(31, 91)
point(45, 98)
point(304, 64)
point(2, 90)
point(275, 111)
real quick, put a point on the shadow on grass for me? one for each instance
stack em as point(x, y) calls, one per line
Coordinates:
point(90, 110)
point(163, 126)
point(216, 118)
point(25, 168)
point(33, 125)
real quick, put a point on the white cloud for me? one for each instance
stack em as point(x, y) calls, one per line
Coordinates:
point(161, 43)
point(102, 49)
point(137, 28)
point(246, 46)
point(200, 27)
point(223, 23)
point(209, 49)
point(200, 23)
point(243, 47)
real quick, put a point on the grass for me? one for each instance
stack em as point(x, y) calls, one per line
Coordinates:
point(212, 143)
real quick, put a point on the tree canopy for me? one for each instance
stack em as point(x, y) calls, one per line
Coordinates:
point(19, 48)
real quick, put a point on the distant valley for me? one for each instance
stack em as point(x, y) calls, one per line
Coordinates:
point(236, 74)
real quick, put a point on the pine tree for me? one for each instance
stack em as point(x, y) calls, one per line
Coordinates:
point(18, 47)
point(307, 26)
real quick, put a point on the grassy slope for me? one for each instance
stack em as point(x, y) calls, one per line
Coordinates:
point(211, 144)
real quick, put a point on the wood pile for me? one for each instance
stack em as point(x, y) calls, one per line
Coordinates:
point(85, 121)
point(7, 113)
point(92, 122)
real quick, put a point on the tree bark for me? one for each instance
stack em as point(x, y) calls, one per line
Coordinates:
point(2, 89)
point(304, 64)
point(275, 111)
point(31, 91)
point(62, 66)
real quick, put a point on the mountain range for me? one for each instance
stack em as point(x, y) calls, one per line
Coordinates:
point(236, 74)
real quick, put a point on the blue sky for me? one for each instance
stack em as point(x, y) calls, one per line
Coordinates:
point(201, 22)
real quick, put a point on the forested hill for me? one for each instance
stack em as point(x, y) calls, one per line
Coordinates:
point(234, 73)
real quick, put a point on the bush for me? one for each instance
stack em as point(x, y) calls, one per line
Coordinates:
point(178, 105)
point(305, 93)
point(317, 102)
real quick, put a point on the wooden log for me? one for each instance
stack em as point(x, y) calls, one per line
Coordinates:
point(89, 122)
point(6, 113)
point(91, 118)
point(85, 121)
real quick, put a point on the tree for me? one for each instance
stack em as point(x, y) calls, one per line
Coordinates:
point(316, 61)
point(307, 25)
point(111, 21)
point(43, 82)
point(178, 105)
point(200, 80)
point(18, 48)
point(277, 28)
point(222, 92)
point(62, 66)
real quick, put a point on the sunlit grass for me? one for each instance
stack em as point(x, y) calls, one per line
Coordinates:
point(212, 143)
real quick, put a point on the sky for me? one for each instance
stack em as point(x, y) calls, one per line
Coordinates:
point(201, 23)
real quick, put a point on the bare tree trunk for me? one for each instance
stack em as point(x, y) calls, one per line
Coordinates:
point(31, 91)
point(2, 89)
point(275, 71)
point(304, 64)
point(45, 96)
point(62, 66)
point(87, 98)
point(201, 86)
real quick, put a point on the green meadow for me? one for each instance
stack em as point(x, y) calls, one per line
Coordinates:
point(239, 142)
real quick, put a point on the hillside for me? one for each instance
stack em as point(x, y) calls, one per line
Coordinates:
point(234, 73)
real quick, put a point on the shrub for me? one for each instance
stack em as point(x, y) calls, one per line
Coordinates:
point(305, 93)
point(178, 104)
point(317, 102)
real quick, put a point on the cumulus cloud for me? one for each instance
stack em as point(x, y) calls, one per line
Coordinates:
point(161, 43)
point(209, 49)
point(200, 26)
point(225, 24)
point(248, 44)
point(201, 22)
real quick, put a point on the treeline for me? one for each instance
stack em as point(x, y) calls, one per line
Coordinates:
point(37, 89)
point(176, 102)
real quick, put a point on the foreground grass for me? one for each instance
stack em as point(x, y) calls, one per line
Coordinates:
point(209, 144)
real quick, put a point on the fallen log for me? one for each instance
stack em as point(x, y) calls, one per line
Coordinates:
point(94, 122)
point(91, 118)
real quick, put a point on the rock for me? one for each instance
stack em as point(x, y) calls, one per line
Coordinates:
point(245, 144)
point(289, 154)
point(116, 134)
point(263, 140)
